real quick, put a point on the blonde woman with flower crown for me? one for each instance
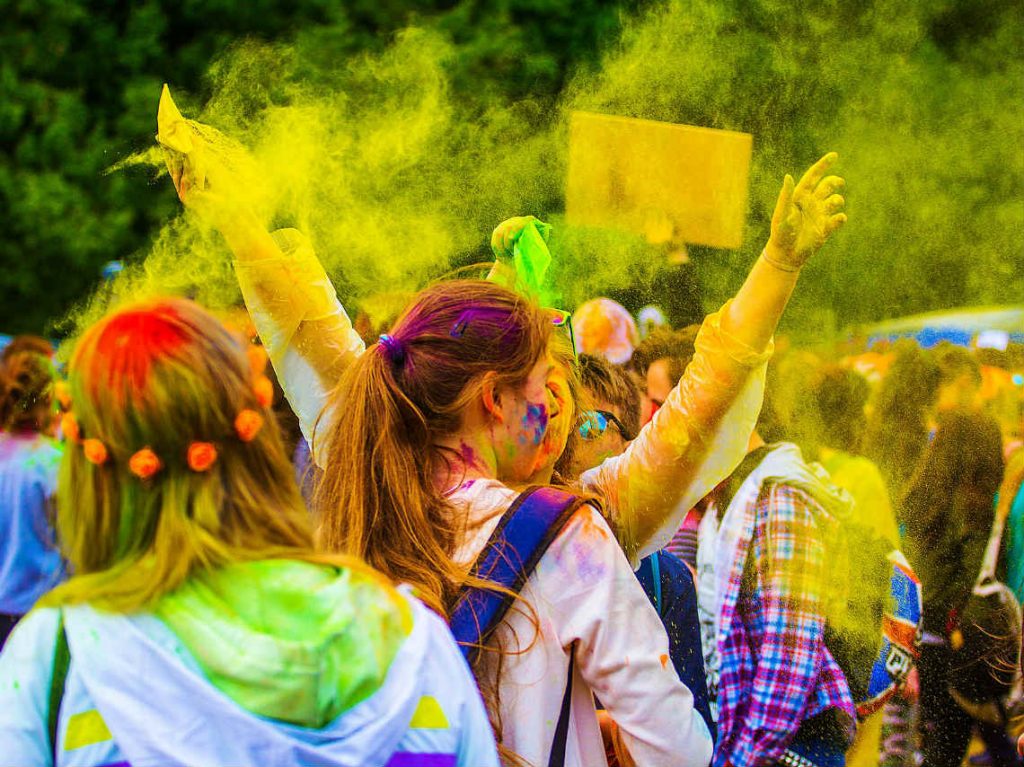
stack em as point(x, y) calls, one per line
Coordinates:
point(200, 627)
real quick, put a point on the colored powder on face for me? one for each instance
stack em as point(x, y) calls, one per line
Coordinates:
point(535, 422)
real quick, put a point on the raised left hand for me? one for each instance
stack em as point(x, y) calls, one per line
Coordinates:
point(806, 215)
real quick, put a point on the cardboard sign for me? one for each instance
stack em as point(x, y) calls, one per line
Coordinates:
point(667, 182)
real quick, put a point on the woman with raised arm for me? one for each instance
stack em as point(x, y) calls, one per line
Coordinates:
point(469, 396)
point(311, 343)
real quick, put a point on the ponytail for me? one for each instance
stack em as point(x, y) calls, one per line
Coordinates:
point(382, 464)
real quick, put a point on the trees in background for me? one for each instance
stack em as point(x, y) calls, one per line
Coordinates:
point(924, 103)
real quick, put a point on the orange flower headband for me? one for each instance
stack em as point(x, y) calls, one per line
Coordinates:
point(200, 456)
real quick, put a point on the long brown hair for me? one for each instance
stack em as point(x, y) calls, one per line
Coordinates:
point(379, 499)
point(897, 430)
point(163, 374)
point(951, 499)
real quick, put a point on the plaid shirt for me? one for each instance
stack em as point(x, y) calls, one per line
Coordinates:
point(775, 669)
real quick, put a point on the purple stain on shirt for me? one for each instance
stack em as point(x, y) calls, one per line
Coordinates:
point(535, 422)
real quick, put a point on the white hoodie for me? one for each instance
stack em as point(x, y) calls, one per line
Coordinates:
point(136, 695)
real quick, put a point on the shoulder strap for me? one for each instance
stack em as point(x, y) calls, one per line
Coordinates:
point(525, 532)
point(656, 572)
point(561, 740)
point(61, 662)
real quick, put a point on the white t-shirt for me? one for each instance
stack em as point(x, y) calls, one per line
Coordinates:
point(583, 591)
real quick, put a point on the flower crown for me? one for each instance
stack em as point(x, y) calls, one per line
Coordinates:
point(199, 456)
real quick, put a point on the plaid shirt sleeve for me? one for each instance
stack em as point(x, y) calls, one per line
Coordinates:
point(789, 566)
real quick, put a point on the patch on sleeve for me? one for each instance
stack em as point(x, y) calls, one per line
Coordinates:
point(84, 729)
point(429, 715)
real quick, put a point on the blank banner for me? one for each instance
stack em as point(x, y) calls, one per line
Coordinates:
point(647, 177)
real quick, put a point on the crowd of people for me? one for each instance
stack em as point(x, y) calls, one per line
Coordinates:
point(506, 534)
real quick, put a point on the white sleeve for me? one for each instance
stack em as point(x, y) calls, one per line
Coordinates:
point(307, 334)
point(476, 746)
point(26, 666)
point(476, 742)
point(697, 438)
point(621, 645)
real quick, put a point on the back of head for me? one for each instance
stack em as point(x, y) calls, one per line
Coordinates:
point(897, 431)
point(959, 474)
point(839, 397)
point(664, 343)
point(27, 343)
point(956, 362)
point(788, 413)
point(26, 392)
point(959, 377)
point(380, 501)
point(177, 467)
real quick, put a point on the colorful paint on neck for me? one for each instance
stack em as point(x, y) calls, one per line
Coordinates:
point(469, 457)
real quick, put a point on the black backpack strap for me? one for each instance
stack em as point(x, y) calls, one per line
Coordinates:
point(561, 740)
point(61, 662)
point(525, 532)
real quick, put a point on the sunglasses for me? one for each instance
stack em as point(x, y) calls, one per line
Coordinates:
point(595, 423)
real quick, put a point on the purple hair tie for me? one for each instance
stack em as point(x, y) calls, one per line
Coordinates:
point(393, 348)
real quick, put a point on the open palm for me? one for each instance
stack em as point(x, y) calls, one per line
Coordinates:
point(806, 214)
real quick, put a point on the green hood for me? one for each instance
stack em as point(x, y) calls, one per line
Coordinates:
point(289, 640)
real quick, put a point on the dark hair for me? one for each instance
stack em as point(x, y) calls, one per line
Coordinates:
point(27, 343)
point(839, 396)
point(955, 361)
point(897, 432)
point(605, 381)
point(951, 499)
point(962, 468)
point(788, 412)
point(26, 392)
point(676, 346)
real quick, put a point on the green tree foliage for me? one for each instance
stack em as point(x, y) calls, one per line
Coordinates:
point(923, 101)
point(79, 80)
